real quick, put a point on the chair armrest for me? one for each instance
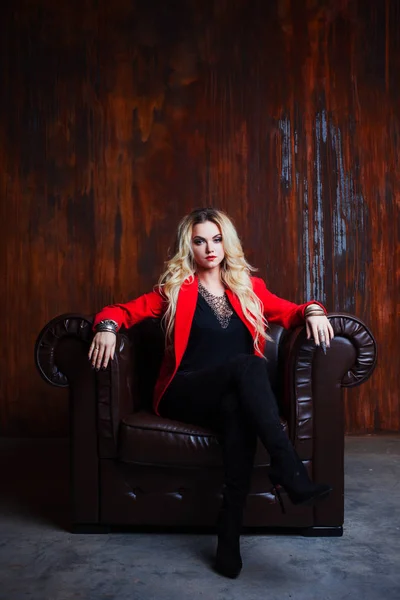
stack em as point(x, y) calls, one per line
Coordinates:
point(313, 400)
point(50, 347)
point(61, 351)
point(115, 396)
point(349, 362)
point(61, 358)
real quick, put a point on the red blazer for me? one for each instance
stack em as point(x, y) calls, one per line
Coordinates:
point(154, 304)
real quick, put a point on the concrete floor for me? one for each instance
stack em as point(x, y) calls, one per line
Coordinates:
point(40, 560)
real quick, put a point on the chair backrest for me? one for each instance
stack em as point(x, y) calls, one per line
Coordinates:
point(148, 349)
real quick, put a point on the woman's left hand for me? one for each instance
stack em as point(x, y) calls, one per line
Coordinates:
point(320, 329)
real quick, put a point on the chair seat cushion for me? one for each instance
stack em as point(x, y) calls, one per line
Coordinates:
point(145, 438)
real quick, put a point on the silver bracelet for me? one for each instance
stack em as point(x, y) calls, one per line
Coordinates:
point(314, 309)
point(107, 325)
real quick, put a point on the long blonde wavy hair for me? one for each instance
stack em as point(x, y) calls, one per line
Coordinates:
point(235, 271)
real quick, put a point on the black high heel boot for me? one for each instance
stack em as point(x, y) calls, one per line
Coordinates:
point(290, 473)
point(228, 561)
point(261, 408)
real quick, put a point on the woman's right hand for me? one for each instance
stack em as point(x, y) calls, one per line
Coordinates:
point(101, 349)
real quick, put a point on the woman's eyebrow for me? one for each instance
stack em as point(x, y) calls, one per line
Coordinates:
point(201, 238)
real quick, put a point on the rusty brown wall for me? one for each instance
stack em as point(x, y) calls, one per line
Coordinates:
point(118, 117)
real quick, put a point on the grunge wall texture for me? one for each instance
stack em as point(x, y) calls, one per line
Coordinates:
point(119, 117)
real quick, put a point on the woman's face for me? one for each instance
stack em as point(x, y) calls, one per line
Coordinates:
point(207, 245)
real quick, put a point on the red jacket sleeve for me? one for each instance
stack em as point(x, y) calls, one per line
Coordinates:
point(277, 310)
point(147, 305)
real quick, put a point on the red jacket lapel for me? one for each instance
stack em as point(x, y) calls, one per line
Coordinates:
point(185, 308)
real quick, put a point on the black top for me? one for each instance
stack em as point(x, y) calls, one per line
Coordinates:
point(209, 344)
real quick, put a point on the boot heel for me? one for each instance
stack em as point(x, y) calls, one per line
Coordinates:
point(303, 491)
point(278, 495)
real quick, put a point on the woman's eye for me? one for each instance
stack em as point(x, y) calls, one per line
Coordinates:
point(216, 241)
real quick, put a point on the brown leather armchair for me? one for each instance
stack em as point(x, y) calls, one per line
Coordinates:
point(132, 468)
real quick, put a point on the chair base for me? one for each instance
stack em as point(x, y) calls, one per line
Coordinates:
point(100, 528)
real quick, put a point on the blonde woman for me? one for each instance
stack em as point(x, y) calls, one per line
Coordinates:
point(215, 316)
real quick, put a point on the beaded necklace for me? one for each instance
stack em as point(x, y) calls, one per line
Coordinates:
point(219, 305)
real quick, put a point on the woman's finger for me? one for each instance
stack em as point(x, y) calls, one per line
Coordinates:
point(106, 357)
point(328, 336)
point(91, 350)
point(93, 355)
point(99, 358)
point(315, 334)
point(324, 336)
point(93, 346)
point(308, 330)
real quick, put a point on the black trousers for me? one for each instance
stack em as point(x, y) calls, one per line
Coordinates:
point(236, 400)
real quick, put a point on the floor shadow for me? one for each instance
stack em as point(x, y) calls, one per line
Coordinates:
point(206, 554)
point(34, 484)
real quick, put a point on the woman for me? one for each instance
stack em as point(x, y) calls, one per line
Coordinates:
point(214, 372)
